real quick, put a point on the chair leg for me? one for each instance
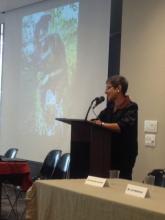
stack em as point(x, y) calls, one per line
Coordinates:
point(12, 205)
point(19, 195)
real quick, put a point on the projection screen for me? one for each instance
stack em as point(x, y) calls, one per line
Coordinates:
point(55, 63)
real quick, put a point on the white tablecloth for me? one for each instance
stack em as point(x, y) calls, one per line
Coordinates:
point(74, 200)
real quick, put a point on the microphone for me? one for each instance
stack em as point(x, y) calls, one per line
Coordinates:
point(98, 100)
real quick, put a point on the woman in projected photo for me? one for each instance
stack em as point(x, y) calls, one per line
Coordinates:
point(50, 61)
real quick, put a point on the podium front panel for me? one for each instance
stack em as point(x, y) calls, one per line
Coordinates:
point(100, 152)
point(80, 150)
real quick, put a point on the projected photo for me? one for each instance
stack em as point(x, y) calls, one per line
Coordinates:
point(49, 52)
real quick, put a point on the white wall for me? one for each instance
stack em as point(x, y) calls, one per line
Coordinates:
point(17, 110)
point(142, 62)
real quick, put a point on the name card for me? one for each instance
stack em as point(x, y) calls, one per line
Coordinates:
point(137, 191)
point(96, 181)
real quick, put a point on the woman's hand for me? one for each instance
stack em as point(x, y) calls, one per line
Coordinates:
point(112, 126)
point(97, 122)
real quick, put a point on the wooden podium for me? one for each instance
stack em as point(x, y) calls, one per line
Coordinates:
point(90, 149)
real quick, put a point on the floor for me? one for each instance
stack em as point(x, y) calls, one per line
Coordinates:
point(19, 208)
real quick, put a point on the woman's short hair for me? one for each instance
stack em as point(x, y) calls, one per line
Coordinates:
point(117, 80)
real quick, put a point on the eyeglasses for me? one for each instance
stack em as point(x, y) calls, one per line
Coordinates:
point(109, 87)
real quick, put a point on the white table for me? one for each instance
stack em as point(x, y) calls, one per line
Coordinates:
point(74, 200)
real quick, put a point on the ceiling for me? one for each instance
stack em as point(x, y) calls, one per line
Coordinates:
point(8, 5)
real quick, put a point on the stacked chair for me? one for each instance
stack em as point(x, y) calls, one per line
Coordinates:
point(49, 165)
point(11, 153)
point(62, 169)
point(55, 166)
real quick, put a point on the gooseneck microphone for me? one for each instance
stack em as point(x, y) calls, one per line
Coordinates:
point(97, 101)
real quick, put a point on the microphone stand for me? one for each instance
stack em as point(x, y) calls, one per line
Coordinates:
point(89, 110)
